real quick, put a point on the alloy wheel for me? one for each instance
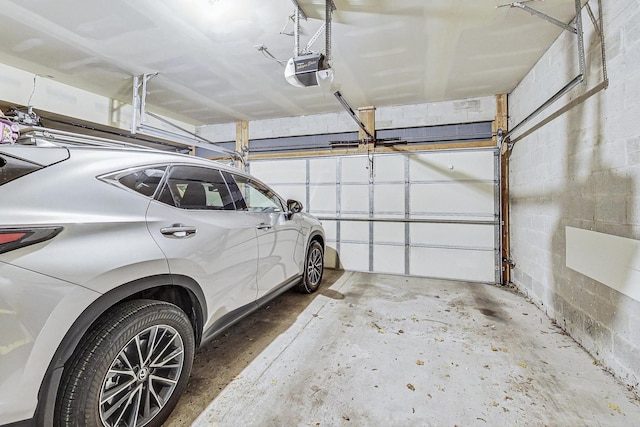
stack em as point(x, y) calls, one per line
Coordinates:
point(142, 377)
point(314, 266)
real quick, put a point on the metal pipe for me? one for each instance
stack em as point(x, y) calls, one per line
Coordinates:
point(580, 78)
point(573, 83)
point(297, 6)
point(296, 31)
point(134, 105)
point(143, 99)
point(561, 111)
point(602, 46)
point(195, 135)
point(179, 139)
point(593, 18)
point(328, 10)
point(544, 16)
point(353, 115)
point(579, 32)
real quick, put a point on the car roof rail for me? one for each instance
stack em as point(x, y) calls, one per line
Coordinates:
point(40, 136)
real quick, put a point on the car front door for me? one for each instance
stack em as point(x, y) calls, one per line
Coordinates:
point(280, 241)
point(194, 221)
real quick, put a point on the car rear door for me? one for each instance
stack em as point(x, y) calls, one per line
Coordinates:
point(194, 221)
point(280, 240)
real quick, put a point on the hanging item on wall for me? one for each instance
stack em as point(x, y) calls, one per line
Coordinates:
point(9, 131)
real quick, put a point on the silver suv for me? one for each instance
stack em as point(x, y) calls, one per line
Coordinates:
point(116, 263)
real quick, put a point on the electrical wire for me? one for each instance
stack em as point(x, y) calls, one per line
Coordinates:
point(290, 18)
point(268, 55)
point(35, 76)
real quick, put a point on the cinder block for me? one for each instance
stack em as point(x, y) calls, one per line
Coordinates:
point(611, 209)
point(627, 354)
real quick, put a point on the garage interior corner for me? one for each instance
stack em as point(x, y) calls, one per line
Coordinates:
point(373, 350)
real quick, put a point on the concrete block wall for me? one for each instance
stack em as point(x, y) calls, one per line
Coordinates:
point(581, 170)
point(432, 114)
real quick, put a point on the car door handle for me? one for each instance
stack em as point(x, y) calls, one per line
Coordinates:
point(264, 226)
point(179, 231)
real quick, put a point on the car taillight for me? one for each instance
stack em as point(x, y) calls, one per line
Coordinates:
point(14, 238)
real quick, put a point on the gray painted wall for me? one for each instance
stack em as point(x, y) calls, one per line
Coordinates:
point(582, 170)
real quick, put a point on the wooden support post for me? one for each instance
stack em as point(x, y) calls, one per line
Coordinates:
point(242, 138)
point(367, 116)
point(502, 122)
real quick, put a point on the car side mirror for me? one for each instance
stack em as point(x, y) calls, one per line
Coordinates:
point(294, 207)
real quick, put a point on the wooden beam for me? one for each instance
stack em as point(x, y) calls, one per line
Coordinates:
point(242, 138)
point(502, 123)
point(367, 116)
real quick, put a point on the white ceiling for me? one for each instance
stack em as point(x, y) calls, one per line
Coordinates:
point(385, 52)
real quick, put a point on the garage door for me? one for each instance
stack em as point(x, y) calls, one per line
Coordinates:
point(429, 214)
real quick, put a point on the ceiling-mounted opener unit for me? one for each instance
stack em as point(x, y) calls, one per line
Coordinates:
point(308, 68)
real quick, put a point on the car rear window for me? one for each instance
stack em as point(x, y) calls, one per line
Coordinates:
point(144, 181)
point(12, 168)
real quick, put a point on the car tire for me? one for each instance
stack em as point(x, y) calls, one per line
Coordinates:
point(133, 364)
point(313, 269)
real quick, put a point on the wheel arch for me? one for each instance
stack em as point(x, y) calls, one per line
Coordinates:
point(318, 236)
point(180, 290)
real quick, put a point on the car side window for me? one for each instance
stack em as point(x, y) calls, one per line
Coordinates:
point(256, 196)
point(192, 187)
point(144, 181)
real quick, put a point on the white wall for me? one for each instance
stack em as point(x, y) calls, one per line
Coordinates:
point(582, 171)
point(17, 87)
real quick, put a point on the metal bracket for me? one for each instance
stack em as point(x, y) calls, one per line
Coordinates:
point(187, 138)
point(580, 78)
point(575, 30)
point(511, 263)
point(543, 15)
point(353, 115)
point(315, 37)
point(326, 27)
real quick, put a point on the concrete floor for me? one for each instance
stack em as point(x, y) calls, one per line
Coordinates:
point(379, 350)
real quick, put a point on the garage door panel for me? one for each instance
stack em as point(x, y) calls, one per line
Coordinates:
point(354, 256)
point(322, 171)
point(458, 235)
point(280, 171)
point(388, 199)
point(357, 231)
point(389, 232)
point(452, 198)
point(322, 199)
point(452, 166)
point(354, 198)
point(330, 230)
point(389, 168)
point(416, 214)
point(355, 169)
point(388, 259)
point(458, 264)
point(295, 192)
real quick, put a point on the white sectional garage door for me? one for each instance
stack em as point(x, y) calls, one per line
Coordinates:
point(429, 214)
